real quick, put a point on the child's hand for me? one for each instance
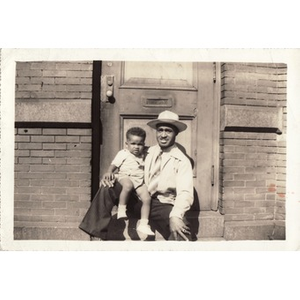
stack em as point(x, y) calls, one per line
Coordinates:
point(109, 176)
point(108, 179)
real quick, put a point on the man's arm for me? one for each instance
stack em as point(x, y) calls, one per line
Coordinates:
point(184, 200)
point(184, 189)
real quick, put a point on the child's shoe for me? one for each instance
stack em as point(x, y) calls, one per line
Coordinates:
point(121, 215)
point(145, 228)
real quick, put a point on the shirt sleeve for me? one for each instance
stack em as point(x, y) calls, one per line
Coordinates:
point(184, 189)
point(119, 158)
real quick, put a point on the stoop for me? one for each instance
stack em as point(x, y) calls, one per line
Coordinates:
point(254, 230)
point(49, 231)
point(206, 225)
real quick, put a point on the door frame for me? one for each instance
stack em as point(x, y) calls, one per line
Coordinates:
point(216, 136)
point(97, 132)
point(96, 127)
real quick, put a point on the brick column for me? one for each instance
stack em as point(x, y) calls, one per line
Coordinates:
point(253, 143)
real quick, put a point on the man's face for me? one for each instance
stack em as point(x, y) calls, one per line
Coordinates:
point(165, 136)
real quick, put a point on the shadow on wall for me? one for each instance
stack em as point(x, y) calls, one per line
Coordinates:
point(194, 213)
point(192, 216)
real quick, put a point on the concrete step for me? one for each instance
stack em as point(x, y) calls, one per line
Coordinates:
point(48, 231)
point(206, 225)
point(255, 230)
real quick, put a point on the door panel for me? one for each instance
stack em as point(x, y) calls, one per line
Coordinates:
point(167, 75)
point(141, 90)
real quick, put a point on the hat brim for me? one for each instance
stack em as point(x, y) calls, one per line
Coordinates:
point(179, 125)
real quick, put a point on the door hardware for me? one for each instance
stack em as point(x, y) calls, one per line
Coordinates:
point(107, 88)
point(215, 72)
point(212, 175)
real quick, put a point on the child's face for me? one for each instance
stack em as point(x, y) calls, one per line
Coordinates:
point(135, 144)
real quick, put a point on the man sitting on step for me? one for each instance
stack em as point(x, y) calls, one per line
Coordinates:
point(169, 177)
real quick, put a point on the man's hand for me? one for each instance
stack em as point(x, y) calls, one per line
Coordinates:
point(178, 227)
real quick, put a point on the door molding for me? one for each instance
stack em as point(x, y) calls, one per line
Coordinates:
point(200, 109)
point(216, 135)
point(96, 127)
point(156, 83)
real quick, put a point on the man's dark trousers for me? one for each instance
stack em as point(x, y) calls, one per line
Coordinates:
point(98, 217)
point(159, 220)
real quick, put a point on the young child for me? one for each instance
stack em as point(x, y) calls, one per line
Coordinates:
point(129, 164)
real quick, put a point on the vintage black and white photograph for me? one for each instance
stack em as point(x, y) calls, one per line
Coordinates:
point(148, 151)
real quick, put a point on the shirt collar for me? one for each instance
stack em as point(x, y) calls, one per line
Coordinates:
point(173, 151)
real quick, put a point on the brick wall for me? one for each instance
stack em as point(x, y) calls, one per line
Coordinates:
point(253, 163)
point(53, 91)
point(52, 176)
point(52, 165)
point(53, 80)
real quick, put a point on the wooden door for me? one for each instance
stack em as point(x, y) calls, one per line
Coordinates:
point(141, 90)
